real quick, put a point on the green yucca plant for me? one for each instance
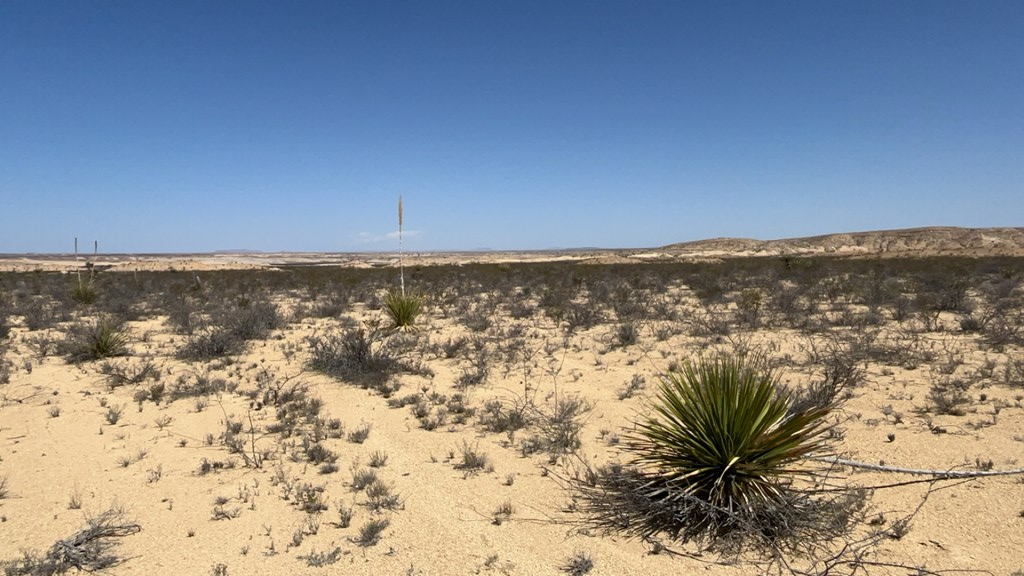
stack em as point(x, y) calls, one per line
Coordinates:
point(108, 338)
point(402, 309)
point(102, 339)
point(722, 431)
point(723, 459)
point(83, 292)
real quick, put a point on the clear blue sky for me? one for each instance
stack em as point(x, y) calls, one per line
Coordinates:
point(195, 126)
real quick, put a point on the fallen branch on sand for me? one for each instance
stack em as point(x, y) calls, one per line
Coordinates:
point(938, 474)
point(89, 549)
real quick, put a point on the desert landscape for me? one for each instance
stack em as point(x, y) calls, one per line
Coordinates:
point(259, 413)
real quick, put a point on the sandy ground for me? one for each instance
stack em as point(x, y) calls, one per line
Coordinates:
point(63, 459)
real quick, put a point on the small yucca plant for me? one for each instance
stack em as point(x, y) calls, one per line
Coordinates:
point(83, 292)
point(103, 339)
point(402, 309)
point(108, 338)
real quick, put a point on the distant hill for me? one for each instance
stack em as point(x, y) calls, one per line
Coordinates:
point(935, 241)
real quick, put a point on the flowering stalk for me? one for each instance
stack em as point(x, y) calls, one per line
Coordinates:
point(401, 260)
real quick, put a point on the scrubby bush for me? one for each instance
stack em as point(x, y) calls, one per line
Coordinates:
point(38, 314)
point(5, 366)
point(251, 320)
point(129, 374)
point(949, 396)
point(227, 335)
point(370, 533)
point(5, 318)
point(211, 343)
point(182, 314)
point(364, 357)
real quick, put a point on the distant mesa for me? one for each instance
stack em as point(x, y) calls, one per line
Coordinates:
point(934, 241)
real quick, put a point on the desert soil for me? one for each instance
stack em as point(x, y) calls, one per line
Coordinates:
point(63, 457)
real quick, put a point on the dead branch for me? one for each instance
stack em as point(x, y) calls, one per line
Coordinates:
point(88, 550)
point(939, 474)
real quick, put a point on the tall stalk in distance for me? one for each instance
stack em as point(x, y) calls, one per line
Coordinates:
point(77, 270)
point(401, 259)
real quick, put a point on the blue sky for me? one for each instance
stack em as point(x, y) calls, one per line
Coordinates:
point(196, 126)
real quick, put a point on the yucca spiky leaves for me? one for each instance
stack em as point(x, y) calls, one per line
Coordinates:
point(402, 309)
point(720, 460)
point(102, 339)
point(722, 431)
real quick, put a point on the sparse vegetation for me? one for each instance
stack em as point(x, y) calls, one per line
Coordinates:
point(578, 564)
point(360, 434)
point(378, 459)
point(533, 369)
point(320, 559)
point(370, 533)
point(380, 496)
point(310, 498)
point(129, 373)
point(502, 513)
point(472, 459)
point(113, 414)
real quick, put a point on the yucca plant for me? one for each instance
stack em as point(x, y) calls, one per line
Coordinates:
point(722, 431)
point(402, 309)
point(103, 339)
point(719, 460)
point(83, 292)
point(108, 338)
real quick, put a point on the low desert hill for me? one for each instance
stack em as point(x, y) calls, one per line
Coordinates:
point(934, 241)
